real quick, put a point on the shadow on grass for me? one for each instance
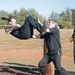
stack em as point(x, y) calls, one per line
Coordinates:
point(30, 69)
point(18, 70)
point(18, 64)
point(26, 69)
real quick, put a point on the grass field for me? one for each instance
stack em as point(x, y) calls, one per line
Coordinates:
point(29, 52)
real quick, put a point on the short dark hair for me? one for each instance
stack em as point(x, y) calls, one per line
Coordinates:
point(8, 19)
point(51, 19)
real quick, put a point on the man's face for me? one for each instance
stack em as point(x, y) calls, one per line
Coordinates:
point(50, 24)
point(12, 22)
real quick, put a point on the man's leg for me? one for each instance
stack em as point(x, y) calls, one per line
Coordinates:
point(33, 22)
point(57, 62)
point(29, 25)
point(26, 30)
point(42, 64)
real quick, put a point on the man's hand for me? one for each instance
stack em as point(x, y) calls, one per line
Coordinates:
point(47, 30)
point(36, 36)
point(37, 18)
point(72, 39)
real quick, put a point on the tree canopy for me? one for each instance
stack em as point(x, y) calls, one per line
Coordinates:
point(64, 18)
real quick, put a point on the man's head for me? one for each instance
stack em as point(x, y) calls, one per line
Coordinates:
point(11, 20)
point(52, 23)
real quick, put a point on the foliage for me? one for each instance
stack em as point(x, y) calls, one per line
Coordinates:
point(55, 16)
point(65, 24)
point(66, 15)
point(64, 18)
point(3, 13)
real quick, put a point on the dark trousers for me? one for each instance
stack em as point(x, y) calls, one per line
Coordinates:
point(26, 31)
point(56, 59)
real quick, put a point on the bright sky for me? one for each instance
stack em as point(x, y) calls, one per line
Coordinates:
point(43, 7)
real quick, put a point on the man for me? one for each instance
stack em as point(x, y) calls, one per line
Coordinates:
point(25, 31)
point(52, 38)
point(72, 38)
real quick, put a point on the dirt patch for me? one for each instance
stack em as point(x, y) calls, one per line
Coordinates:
point(29, 52)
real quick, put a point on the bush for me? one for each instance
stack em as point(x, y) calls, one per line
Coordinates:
point(65, 24)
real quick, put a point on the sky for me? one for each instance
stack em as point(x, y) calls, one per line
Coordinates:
point(43, 7)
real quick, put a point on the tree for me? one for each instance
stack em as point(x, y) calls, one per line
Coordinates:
point(55, 16)
point(3, 13)
point(35, 14)
point(23, 14)
point(66, 15)
point(15, 12)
